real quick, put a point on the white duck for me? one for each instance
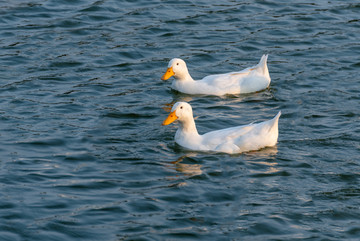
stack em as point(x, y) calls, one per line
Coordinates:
point(246, 81)
point(230, 140)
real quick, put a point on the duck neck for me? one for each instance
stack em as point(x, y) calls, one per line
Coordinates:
point(187, 126)
point(184, 76)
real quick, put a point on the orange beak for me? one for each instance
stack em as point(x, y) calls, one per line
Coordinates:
point(169, 72)
point(170, 119)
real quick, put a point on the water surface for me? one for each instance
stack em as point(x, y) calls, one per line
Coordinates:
point(83, 152)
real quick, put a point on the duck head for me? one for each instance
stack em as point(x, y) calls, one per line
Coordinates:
point(177, 68)
point(181, 111)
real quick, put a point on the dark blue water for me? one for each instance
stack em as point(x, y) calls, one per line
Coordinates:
point(84, 155)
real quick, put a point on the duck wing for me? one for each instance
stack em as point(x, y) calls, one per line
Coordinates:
point(249, 80)
point(243, 138)
point(215, 138)
point(262, 134)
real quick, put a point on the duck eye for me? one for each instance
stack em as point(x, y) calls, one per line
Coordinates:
point(177, 63)
point(181, 107)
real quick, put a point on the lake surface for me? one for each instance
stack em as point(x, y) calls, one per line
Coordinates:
point(84, 155)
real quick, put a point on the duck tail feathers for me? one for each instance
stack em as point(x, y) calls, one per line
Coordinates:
point(262, 66)
point(274, 123)
point(276, 119)
point(278, 115)
point(263, 60)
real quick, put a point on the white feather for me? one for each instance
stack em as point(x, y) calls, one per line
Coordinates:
point(249, 80)
point(230, 140)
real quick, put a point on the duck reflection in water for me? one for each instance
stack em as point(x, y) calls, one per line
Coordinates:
point(265, 160)
point(267, 152)
point(186, 168)
point(167, 106)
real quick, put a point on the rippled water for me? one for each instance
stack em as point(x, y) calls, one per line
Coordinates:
point(83, 152)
